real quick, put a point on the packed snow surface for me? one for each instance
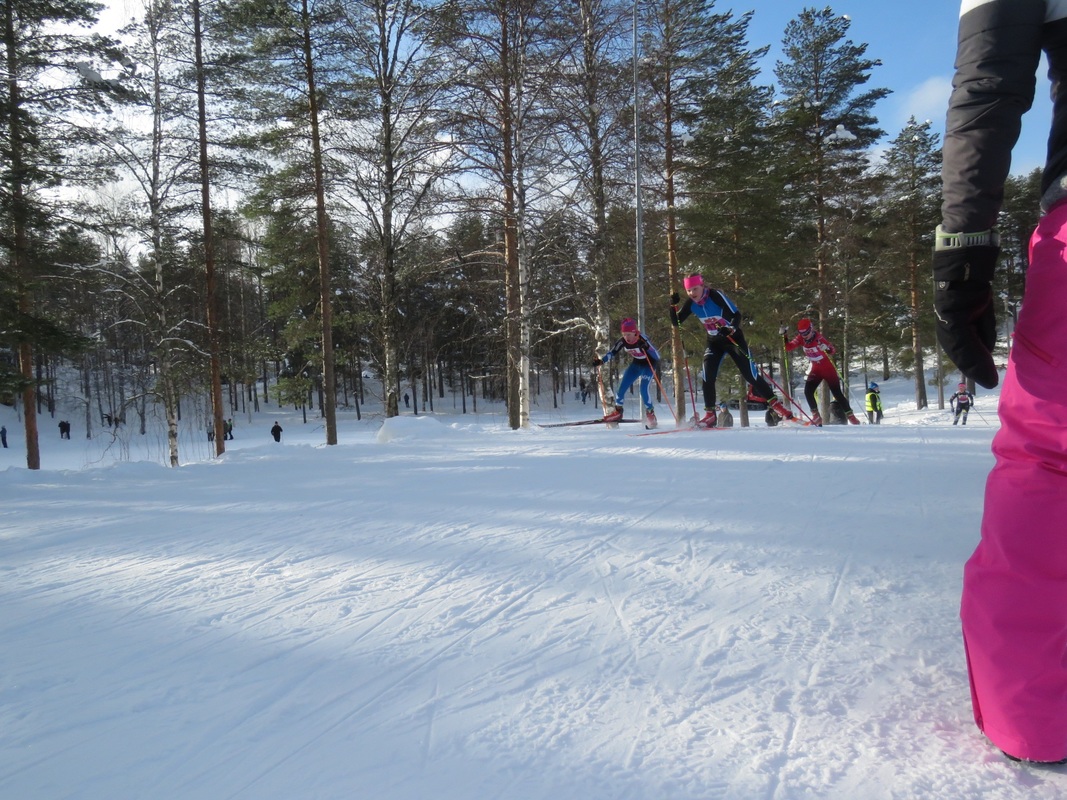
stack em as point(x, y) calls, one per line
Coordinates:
point(441, 607)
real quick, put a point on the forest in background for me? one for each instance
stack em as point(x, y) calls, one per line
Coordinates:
point(232, 199)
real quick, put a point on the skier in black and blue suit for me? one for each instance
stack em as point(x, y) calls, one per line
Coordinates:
point(722, 322)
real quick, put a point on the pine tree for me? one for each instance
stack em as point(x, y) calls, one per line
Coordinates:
point(697, 63)
point(505, 117)
point(911, 175)
point(823, 125)
point(294, 46)
point(1018, 218)
point(43, 42)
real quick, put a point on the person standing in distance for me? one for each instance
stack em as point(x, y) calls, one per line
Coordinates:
point(1014, 604)
point(874, 404)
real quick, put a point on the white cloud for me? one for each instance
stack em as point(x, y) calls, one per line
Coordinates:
point(927, 101)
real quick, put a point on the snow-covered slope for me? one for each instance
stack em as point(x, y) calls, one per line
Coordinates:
point(446, 608)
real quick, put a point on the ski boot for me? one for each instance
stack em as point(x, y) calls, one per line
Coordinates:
point(650, 419)
point(777, 407)
point(612, 418)
point(852, 418)
point(816, 419)
point(707, 421)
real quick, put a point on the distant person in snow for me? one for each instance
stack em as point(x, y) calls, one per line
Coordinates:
point(276, 432)
point(721, 321)
point(1014, 607)
point(820, 368)
point(644, 361)
point(724, 419)
point(874, 404)
point(64, 429)
point(961, 403)
point(3, 435)
point(227, 428)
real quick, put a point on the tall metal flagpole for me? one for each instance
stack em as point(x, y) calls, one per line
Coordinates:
point(640, 237)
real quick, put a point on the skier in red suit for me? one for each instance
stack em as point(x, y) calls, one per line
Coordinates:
point(817, 348)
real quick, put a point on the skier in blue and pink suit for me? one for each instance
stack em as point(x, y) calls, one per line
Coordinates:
point(1014, 607)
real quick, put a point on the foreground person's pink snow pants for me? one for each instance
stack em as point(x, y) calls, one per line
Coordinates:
point(1014, 607)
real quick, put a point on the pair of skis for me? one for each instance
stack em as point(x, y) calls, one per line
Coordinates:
point(601, 421)
point(690, 426)
point(604, 402)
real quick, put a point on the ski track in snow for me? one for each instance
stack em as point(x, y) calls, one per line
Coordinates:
point(565, 613)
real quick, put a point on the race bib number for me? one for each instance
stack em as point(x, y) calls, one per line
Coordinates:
point(712, 325)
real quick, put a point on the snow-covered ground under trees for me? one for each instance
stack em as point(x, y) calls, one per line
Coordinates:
point(440, 607)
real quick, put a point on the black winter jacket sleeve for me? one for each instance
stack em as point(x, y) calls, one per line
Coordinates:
point(998, 50)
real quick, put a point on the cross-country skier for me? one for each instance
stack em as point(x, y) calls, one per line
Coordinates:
point(817, 348)
point(874, 404)
point(645, 359)
point(722, 323)
point(1014, 607)
point(961, 403)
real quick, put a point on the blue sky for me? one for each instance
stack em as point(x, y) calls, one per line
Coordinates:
point(916, 42)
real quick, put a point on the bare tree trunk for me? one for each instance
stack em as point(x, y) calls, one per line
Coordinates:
point(322, 234)
point(209, 241)
point(19, 253)
point(921, 400)
point(87, 397)
point(512, 327)
point(673, 278)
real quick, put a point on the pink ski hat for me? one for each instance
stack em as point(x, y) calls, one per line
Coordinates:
point(628, 326)
point(691, 281)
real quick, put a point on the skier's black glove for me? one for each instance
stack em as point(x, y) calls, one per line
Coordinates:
point(963, 303)
point(675, 298)
point(596, 363)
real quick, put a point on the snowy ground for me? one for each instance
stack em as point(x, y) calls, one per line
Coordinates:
point(443, 608)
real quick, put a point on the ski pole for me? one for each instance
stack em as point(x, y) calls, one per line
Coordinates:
point(689, 376)
point(685, 357)
point(786, 368)
point(974, 408)
point(666, 394)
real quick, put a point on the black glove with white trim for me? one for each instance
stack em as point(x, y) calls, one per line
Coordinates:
point(963, 303)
